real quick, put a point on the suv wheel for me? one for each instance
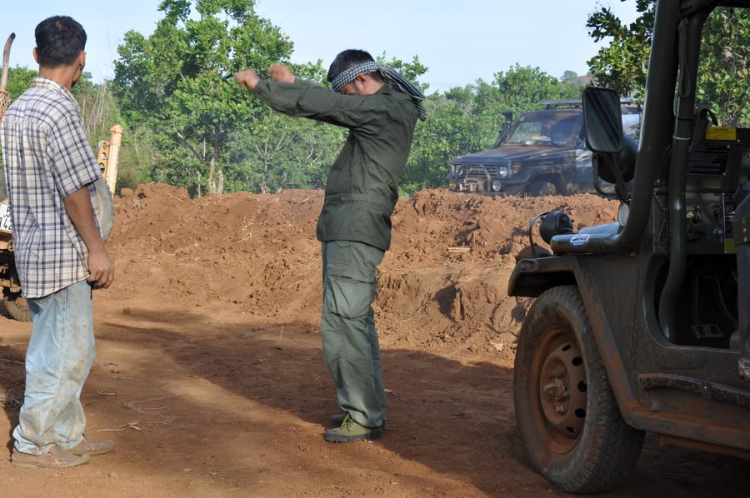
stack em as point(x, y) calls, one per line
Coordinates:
point(542, 188)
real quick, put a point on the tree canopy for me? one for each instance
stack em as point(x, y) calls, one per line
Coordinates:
point(188, 124)
point(174, 82)
point(725, 57)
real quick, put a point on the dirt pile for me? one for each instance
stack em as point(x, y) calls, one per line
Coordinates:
point(258, 253)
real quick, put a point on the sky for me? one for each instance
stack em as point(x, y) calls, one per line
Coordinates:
point(459, 42)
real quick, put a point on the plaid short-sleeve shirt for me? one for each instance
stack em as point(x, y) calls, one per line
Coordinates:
point(47, 157)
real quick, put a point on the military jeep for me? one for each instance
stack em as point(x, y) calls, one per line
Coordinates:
point(542, 153)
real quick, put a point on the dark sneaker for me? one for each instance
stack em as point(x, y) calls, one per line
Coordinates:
point(338, 419)
point(350, 431)
point(89, 447)
point(56, 458)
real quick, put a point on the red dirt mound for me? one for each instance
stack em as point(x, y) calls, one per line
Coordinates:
point(258, 253)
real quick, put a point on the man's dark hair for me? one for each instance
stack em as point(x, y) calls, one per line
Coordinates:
point(347, 59)
point(59, 41)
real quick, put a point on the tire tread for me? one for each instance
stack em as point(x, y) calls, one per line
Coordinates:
point(613, 459)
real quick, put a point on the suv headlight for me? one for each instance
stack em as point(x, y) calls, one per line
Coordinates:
point(503, 172)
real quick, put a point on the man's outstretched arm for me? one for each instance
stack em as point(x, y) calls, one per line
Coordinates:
point(81, 213)
point(303, 100)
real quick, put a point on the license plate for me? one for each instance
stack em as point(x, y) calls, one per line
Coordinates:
point(5, 224)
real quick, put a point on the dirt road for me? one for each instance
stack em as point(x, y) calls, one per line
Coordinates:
point(210, 378)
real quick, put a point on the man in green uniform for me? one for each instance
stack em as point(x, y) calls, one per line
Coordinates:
point(380, 109)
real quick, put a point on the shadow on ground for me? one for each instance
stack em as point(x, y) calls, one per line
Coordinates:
point(245, 404)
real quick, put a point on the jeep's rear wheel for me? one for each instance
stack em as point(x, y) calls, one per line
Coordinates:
point(567, 414)
point(17, 307)
point(542, 188)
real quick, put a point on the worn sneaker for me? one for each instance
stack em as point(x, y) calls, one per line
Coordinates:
point(350, 431)
point(89, 447)
point(56, 458)
point(338, 418)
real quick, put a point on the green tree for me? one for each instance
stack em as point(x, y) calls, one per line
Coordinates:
point(455, 126)
point(622, 65)
point(280, 152)
point(175, 81)
point(19, 80)
point(411, 71)
point(520, 89)
point(725, 63)
point(725, 58)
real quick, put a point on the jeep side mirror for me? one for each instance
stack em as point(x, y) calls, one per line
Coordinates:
point(603, 120)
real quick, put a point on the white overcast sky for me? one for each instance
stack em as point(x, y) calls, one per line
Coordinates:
point(458, 41)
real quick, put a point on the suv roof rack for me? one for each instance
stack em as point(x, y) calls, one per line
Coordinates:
point(551, 104)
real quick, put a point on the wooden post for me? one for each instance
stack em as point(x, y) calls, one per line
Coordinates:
point(114, 153)
point(4, 95)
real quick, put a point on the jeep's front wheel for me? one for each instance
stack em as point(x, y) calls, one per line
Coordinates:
point(542, 188)
point(566, 411)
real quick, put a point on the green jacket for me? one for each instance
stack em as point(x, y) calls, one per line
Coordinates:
point(362, 187)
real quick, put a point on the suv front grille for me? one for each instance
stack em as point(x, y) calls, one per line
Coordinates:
point(478, 170)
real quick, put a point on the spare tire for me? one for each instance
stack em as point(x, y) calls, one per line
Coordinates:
point(105, 207)
point(17, 307)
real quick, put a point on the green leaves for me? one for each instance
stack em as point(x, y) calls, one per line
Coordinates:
point(725, 58)
point(19, 80)
point(173, 83)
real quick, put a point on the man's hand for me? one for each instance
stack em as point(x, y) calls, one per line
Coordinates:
point(101, 269)
point(247, 78)
point(280, 72)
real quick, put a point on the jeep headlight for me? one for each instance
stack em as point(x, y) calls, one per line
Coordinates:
point(503, 172)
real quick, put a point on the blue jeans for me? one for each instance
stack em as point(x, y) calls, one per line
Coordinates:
point(60, 355)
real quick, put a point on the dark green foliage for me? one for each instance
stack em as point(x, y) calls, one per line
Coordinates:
point(19, 80)
point(189, 126)
point(725, 58)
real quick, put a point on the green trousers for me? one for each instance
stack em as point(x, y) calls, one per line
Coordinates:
point(347, 327)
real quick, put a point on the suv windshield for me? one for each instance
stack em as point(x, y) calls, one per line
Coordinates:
point(556, 129)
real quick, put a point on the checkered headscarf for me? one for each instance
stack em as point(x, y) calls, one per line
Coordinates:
point(389, 74)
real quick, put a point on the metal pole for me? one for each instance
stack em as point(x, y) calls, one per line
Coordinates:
point(655, 136)
point(690, 39)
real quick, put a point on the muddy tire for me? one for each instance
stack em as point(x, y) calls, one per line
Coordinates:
point(17, 307)
point(567, 414)
point(542, 188)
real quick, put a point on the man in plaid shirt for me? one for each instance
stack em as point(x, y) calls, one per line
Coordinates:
point(60, 254)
